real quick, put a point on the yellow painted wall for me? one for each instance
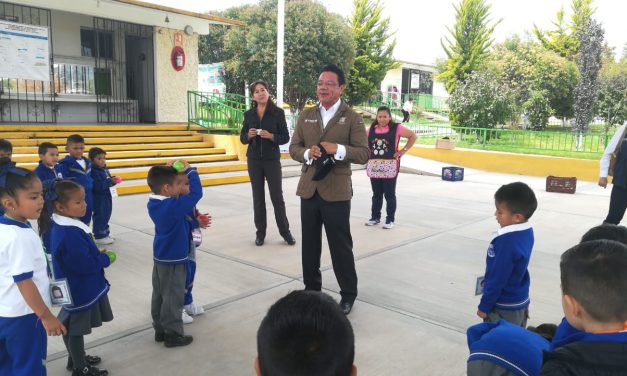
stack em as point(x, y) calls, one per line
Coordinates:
point(524, 164)
point(172, 85)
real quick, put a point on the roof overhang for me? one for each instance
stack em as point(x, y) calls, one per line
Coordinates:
point(138, 12)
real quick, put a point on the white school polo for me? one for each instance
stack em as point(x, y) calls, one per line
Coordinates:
point(21, 257)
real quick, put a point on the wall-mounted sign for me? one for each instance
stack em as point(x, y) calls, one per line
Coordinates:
point(178, 39)
point(24, 51)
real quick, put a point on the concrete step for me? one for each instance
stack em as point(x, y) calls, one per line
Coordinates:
point(97, 127)
point(155, 161)
point(117, 155)
point(137, 173)
point(131, 147)
point(134, 187)
point(110, 141)
point(129, 133)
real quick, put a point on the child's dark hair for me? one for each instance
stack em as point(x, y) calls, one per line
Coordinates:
point(386, 109)
point(55, 191)
point(14, 179)
point(158, 176)
point(45, 146)
point(94, 152)
point(341, 80)
point(606, 231)
point(6, 145)
point(518, 198)
point(593, 273)
point(305, 333)
point(75, 139)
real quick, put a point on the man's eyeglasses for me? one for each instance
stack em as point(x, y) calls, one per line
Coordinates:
point(327, 83)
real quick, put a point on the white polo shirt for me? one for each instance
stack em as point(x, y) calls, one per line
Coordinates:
point(21, 257)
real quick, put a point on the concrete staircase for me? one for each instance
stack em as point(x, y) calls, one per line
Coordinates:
point(132, 149)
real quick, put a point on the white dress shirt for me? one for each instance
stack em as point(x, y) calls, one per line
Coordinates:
point(607, 154)
point(326, 116)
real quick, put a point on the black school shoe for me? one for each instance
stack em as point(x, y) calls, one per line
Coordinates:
point(174, 340)
point(289, 238)
point(90, 371)
point(91, 361)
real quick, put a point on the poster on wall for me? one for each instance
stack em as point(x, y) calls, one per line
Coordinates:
point(211, 78)
point(415, 81)
point(24, 51)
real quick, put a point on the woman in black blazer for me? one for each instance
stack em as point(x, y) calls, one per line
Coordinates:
point(263, 131)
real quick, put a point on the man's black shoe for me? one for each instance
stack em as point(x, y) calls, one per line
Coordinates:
point(173, 340)
point(91, 361)
point(259, 240)
point(159, 336)
point(346, 307)
point(289, 239)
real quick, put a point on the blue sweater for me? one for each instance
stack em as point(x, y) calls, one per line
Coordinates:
point(510, 346)
point(46, 173)
point(506, 283)
point(76, 257)
point(173, 238)
point(70, 169)
point(101, 181)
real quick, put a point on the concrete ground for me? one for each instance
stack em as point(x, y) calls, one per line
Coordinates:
point(416, 281)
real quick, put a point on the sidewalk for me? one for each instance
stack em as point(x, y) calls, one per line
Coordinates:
point(416, 281)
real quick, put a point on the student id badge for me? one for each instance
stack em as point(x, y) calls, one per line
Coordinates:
point(60, 293)
point(114, 191)
point(479, 285)
point(197, 237)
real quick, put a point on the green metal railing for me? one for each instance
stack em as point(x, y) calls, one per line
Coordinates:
point(503, 139)
point(215, 111)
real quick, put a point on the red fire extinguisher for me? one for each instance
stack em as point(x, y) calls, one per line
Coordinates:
point(178, 58)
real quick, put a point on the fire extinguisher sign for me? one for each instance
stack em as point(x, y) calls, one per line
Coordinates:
point(178, 58)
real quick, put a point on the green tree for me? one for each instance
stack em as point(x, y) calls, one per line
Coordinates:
point(589, 64)
point(564, 39)
point(482, 101)
point(373, 56)
point(537, 109)
point(611, 105)
point(468, 45)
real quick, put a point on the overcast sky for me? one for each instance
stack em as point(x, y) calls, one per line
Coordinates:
point(420, 24)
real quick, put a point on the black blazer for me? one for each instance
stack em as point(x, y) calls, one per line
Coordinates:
point(264, 149)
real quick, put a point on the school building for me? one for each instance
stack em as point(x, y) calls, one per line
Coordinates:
point(98, 61)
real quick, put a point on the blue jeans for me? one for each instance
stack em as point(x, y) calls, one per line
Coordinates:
point(380, 188)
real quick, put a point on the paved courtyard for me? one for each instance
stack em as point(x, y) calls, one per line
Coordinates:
point(416, 281)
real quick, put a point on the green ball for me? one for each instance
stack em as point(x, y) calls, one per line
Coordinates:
point(178, 166)
point(112, 256)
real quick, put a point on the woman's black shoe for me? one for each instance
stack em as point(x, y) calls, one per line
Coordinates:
point(173, 340)
point(259, 240)
point(289, 239)
point(90, 371)
point(91, 361)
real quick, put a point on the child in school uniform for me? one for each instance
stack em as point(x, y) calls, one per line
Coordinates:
point(24, 286)
point(47, 172)
point(197, 221)
point(506, 279)
point(76, 258)
point(103, 204)
point(168, 207)
point(78, 168)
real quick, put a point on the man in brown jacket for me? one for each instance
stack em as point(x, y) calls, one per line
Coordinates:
point(341, 132)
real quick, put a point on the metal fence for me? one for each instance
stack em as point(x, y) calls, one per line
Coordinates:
point(215, 111)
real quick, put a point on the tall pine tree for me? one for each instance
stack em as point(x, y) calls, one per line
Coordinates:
point(373, 55)
point(469, 42)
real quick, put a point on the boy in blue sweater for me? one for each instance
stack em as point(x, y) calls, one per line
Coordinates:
point(593, 283)
point(506, 278)
point(48, 160)
point(168, 207)
point(102, 199)
point(78, 168)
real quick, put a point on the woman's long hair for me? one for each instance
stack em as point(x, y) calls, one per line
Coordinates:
point(386, 109)
point(271, 107)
